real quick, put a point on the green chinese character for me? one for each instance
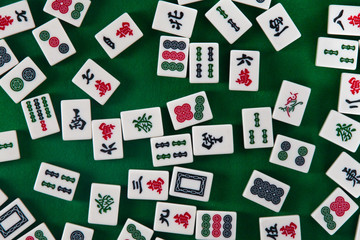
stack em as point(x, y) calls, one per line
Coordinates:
point(143, 123)
point(104, 203)
point(345, 131)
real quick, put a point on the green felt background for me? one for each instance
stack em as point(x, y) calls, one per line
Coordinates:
point(141, 88)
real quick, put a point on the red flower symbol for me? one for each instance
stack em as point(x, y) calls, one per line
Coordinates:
point(61, 5)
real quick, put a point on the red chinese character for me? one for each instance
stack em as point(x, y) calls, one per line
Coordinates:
point(156, 185)
point(244, 78)
point(124, 30)
point(183, 219)
point(106, 130)
point(102, 87)
point(5, 21)
point(289, 230)
point(355, 20)
point(355, 85)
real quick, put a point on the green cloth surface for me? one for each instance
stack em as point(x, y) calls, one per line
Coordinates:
point(142, 88)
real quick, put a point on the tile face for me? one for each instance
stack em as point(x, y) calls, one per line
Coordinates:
point(343, 20)
point(337, 53)
point(3, 197)
point(56, 181)
point(73, 231)
point(334, 211)
point(189, 110)
point(228, 20)
point(278, 27)
point(213, 139)
point(174, 19)
point(40, 116)
point(53, 41)
point(204, 63)
point(244, 70)
point(40, 232)
point(148, 185)
point(15, 18)
point(173, 57)
point(76, 119)
point(191, 184)
point(257, 127)
point(72, 12)
point(291, 103)
point(292, 153)
point(171, 150)
point(183, 2)
point(107, 139)
point(96, 82)
point(7, 58)
point(22, 80)
point(344, 171)
point(104, 204)
point(14, 219)
point(280, 228)
point(119, 35)
point(174, 218)
point(132, 228)
point(142, 123)
point(264, 4)
point(349, 97)
point(266, 191)
point(341, 130)
point(215, 225)
point(9, 147)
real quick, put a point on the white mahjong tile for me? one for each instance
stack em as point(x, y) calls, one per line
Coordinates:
point(189, 110)
point(258, 190)
point(96, 81)
point(104, 204)
point(191, 184)
point(76, 119)
point(343, 20)
point(337, 53)
point(14, 219)
point(357, 234)
point(183, 2)
point(40, 116)
point(148, 185)
point(133, 230)
point(334, 211)
point(107, 139)
point(72, 12)
point(56, 181)
point(341, 130)
point(263, 4)
point(53, 41)
point(174, 19)
point(280, 227)
point(213, 139)
point(215, 225)
point(119, 35)
point(3, 197)
point(345, 172)
point(278, 27)
point(204, 63)
point(171, 150)
point(73, 231)
point(257, 127)
point(16, 18)
point(9, 146)
point(7, 58)
point(142, 123)
point(228, 20)
point(40, 232)
point(173, 57)
point(292, 153)
point(291, 103)
point(22, 80)
point(175, 218)
point(244, 70)
point(349, 94)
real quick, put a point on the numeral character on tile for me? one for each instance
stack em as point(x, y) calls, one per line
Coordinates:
point(343, 20)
